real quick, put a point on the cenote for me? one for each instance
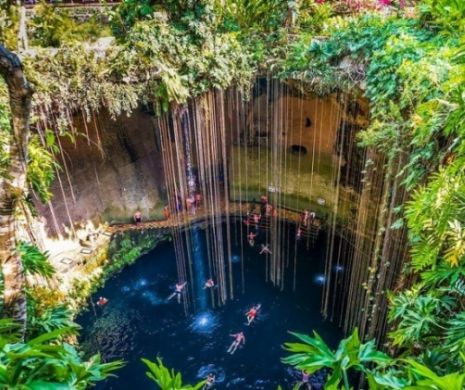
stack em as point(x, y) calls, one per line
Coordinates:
point(138, 321)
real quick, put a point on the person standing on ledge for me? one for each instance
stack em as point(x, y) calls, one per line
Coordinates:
point(137, 217)
point(166, 212)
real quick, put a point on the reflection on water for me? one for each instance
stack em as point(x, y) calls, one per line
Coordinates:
point(138, 321)
point(205, 322)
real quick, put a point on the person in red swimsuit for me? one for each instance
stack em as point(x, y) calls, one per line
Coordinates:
point(252, 313)
point(102, 301)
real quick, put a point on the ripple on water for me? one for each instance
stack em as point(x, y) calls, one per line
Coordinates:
point(204, 323)
point(320, 279)
point(152, 298)
point(112, 334)
point(219, 373)
point(235, 259)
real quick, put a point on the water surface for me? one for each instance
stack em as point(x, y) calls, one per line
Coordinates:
point(139, 322)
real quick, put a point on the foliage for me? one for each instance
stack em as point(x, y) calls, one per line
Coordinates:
point(9, 21)
point(447, 15)
point(51, 26)
point(52, 318)
point(35, 262)
point(41, 161)
point(314, 354)
point(258, 15)
point(45, 362)
point(382, 372)
point(167, 379)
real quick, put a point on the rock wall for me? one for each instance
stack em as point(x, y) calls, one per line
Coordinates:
point(113, 168)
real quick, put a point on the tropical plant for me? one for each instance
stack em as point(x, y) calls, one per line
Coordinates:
point(167, 379)
point(448, 15)
point(45, 362)
point(351, 355)
point(35, 262)
point(51, 26)
point(261, 15)
point(52, 318)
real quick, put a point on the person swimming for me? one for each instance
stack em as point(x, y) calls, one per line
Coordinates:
point(305, 382)
point(239, 339)
point(265, 250)
point(210, 283)
point(179, 289)
point(252, 313)
point(209, 381)
point(102, 301)
point(251, 237)
point(256, 220)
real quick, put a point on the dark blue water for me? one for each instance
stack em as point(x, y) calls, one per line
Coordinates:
point(139, 322)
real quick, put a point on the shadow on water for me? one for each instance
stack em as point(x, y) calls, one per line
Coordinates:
point(139, 322)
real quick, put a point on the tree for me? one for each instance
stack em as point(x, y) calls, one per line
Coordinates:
point(13, 186)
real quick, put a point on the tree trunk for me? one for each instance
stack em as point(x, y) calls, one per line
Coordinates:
point(13, 186)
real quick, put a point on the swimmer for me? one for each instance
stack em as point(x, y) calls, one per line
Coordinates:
point(239, 339)
point(102, 301)
point(265, 250)
point(305, 382)
point(251, 237)
point(209, 381)
point(210, 283)
point(198, 199)
point(256, 220)
point(178, 291)
point(252, 313)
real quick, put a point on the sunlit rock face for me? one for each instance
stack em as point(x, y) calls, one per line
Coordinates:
point(113, 169)
point(115, 166)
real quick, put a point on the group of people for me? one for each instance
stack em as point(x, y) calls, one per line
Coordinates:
point(239, 338)
point(193, 203)
point(180, 287)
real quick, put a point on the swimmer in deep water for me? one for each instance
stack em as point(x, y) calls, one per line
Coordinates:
point(178, 291)
point(102, 301)
point(209, 381)
point(210, 283)
point(305, 382)
point(265, 250)
point(239, 339)
point(252, 313)
point(251, 237)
